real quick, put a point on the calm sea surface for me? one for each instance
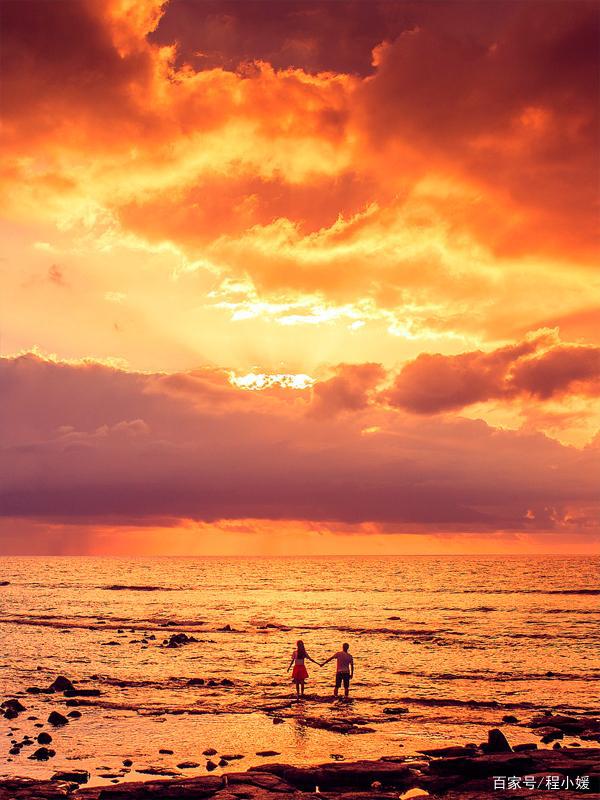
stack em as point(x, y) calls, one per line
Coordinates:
point(430, 634)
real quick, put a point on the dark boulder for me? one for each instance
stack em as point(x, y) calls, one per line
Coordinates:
point(57, 719)
point(61, 684)
point(42, 754)
point(497, 742)
point(44, 738)
point(15, 704)
point(72, 776)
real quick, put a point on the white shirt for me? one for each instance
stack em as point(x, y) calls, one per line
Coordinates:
point(344, 660)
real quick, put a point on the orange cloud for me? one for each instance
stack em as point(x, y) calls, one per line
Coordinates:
point(435, 383)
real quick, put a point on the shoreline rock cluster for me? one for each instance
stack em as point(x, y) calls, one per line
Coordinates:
point(470, 776)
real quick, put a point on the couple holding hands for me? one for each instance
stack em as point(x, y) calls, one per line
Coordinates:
point(344, 668)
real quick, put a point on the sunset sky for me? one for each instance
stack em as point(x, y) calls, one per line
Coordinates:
point(299, 277)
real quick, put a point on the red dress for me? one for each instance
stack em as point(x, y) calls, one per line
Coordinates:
point(299, 673)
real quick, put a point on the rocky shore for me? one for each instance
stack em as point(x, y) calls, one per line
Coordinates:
point(560, 755)
point(468, 775)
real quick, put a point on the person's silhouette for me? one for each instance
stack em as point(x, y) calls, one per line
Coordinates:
point(300, 673)
point(344, 669)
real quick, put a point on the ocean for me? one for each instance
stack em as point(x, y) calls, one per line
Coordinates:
point(459, 642)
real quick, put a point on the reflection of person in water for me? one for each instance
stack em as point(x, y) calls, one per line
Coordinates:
point(344, 669)
point(300, 673)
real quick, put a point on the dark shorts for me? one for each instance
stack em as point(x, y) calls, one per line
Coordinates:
point(342, 677)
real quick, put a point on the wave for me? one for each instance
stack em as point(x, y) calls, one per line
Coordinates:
point(504, 677)
point(447, 590)
point(120, 587)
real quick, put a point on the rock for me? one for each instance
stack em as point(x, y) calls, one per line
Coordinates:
point(178, 640)
point(342, 775)
point(4, 583)
point(164, 771)
point(278, 720)
point(72, 776)
point(267, 753)
point(497, 742)
point(42, 754)
point(210, 765)
point(14, 751)
point(72, 703)
point(127, 762)
point(188, 765)
point(223, 762)
point(74, 714)
point(522, 748)
point(449, 752)
point(550, 734)
point(196, 682)
point(226, 628)
point(14, 704)
point(82, 693)
point(57, 719)
point(61, 684)
point(395, 710)
point(510, 718)
point(166, 752)
point(227, 682)
point(44, 738)
point(557, 746)
point(33, 690)
point(210, 751)
point(234, 757)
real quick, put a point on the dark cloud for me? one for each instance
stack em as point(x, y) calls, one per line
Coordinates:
point(314, 35)
point(350, 389)
point(57, 58)
point(89, 443)
point(515, 107)
point(435, 383)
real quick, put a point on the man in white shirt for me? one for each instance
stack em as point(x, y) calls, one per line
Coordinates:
point(344, 669)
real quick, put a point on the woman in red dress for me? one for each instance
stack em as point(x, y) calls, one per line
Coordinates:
point(300, 673)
